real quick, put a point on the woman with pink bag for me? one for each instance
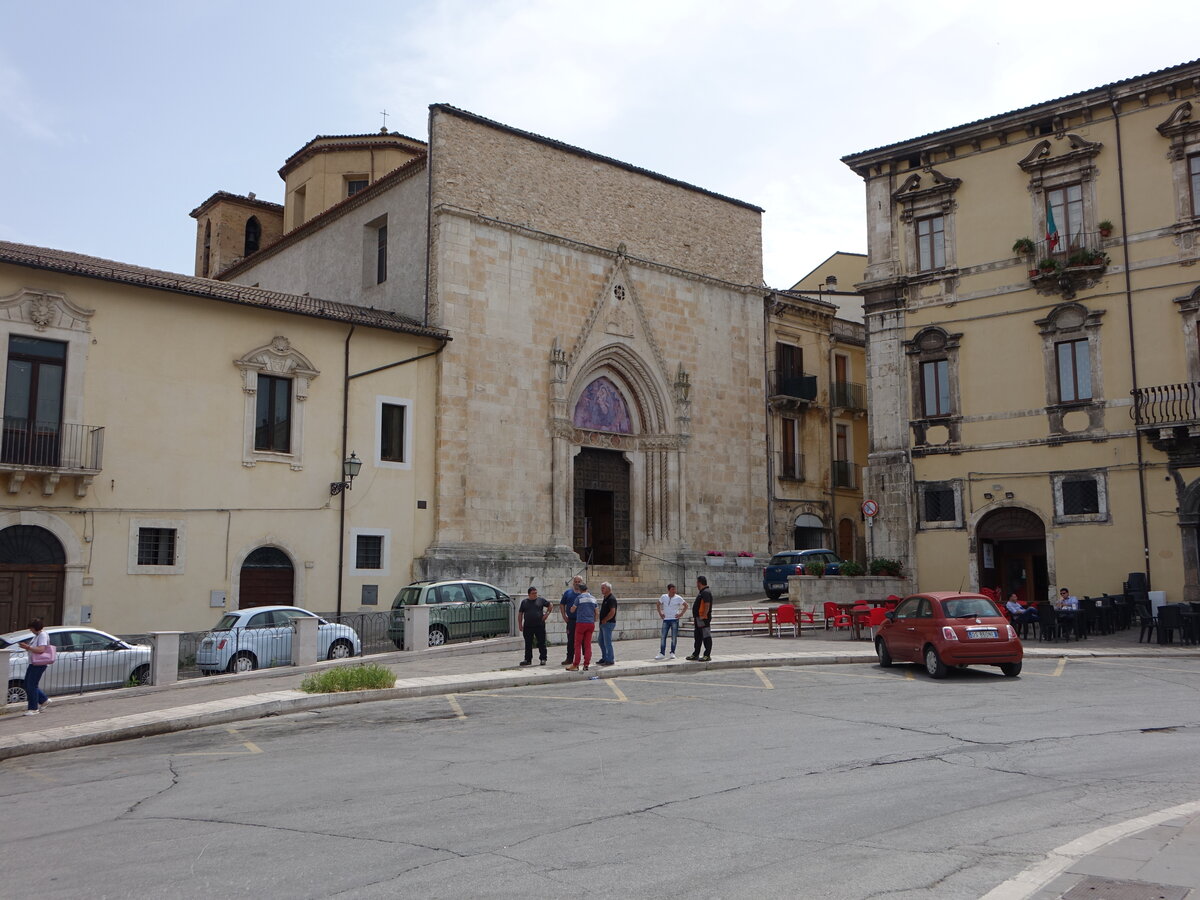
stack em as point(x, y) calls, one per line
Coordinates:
point(41, 654)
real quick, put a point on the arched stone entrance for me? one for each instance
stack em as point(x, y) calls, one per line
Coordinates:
point(1189, 533)
point(1011, 553)
point(266, 579)
point(808, 532)
point(32, 574)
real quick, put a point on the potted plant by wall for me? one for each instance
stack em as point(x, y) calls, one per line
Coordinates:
point(815, 568)
point(715, 558)
point(1048, 265)
point(1106, 228)
point(852, 569)
point(745, 559)
point(1023, 245)
point(883, 566)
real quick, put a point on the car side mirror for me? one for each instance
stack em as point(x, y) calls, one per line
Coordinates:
point(890, 615)
point(116, 645)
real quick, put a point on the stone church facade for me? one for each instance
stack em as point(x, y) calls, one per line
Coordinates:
point(600, 403)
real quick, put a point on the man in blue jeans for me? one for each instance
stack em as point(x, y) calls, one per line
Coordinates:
point(671, 608)
point(608, 622)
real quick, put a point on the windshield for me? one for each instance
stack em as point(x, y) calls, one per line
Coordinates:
point(784, 559)
point(227, 623)
point(14, 637)
point(407, 597)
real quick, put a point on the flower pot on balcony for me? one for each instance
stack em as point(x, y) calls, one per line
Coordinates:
point(715, 561)
point(746, 562)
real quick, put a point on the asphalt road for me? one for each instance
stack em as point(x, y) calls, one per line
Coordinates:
point(825, 781)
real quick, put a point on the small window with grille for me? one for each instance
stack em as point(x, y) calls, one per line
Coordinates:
point(939, 505)
point(1081, 496)
point(368, 552)
point(156, 547)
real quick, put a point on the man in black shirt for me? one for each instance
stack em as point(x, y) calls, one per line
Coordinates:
point(531, 622)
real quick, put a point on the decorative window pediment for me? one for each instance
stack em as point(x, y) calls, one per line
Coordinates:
point(1184, 155)
point(279, 360)
point(921, 196)
point(1076, 164)
point(45, 310)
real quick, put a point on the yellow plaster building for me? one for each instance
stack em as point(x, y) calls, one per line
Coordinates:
point(1031, 305)
point(170, 442)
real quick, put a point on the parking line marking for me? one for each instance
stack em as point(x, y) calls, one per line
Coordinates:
point(1124, 665)
point(752, 687)
point(454, 705)
point(524, 696)
point(616, 690)
point(1058, 670)
point(251, 748)
point(763, 678)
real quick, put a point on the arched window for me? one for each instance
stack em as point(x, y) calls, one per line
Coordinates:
point(253, 236)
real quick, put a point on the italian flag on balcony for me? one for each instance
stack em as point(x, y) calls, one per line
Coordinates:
point(1051, 228)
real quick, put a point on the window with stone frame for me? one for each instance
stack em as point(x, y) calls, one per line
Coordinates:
point(1183, 131)
point(931, 243)
point(933, 353)
point(1062, 178)
point(1080, 497)
point(926, 208)
point(375, 252)
point(156, 547)
point(371, 550)
point(940, 504)
point(275, 384)
point(1072, 365)
point(1189, 309)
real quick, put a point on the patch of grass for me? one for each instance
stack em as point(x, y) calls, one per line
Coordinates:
point(349, 678)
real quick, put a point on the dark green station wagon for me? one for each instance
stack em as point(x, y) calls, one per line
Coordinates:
point(458, 610)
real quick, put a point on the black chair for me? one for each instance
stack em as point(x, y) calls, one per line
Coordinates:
point(1147, 623)
point(1170, 622)
point(1191, 623)
point(1047, 622)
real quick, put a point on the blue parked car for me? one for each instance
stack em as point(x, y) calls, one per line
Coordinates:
point(792, 562)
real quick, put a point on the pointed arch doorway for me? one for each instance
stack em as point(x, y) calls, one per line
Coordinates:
point(1012, 554)
point(32, 574)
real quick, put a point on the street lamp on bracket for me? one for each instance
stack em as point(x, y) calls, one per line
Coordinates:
point(350, 467)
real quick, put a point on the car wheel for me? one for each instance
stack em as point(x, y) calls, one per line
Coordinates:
point(933, 663)
point(774, 595)
point(881, 650)
point(140, 675)
point(16, 692)
point(243, 662)
point(340, 649)
point(437, 636)
point(399, 644)
point(1012, 670)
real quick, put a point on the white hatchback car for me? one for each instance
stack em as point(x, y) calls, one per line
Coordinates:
point(88, 660)
point(259, 637)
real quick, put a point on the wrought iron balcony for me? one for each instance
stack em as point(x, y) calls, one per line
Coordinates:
point(844, 474)
point(1167, 405)
point(53, 449)
point(793, 388)
point(847, 395)
point(791, 466)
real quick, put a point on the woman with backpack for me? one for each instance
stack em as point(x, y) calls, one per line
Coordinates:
point(41, 654)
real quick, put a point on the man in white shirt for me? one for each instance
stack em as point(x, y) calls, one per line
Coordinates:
point(671, 607)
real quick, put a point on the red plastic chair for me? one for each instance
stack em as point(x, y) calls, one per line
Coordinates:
point(785, 615)
point(762, 617)
point(875, 618)
point(831, 612)
point(840, 621)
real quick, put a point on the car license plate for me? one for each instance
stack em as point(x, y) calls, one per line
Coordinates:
point(777, 586)
point(981, 633)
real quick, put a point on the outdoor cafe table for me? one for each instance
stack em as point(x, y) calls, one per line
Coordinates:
point(856, 622)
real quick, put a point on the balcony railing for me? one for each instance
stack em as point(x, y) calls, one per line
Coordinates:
point(1167, 404)
point(791, 465)
point(845, 474)
point(798, 387)
point(51, 445)
point(847, 395)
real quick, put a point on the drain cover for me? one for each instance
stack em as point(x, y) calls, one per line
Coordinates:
point(1093, 888)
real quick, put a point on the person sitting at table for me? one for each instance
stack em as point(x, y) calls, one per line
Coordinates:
point(1021, 614)
point(1068, 609)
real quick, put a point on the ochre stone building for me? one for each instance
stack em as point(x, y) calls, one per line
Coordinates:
point(1031, 299)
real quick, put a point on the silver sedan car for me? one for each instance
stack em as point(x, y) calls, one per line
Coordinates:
point(87, 660)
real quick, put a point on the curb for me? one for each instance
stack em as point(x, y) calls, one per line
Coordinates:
point(274, 703)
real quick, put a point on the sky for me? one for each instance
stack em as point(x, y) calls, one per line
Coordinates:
point(119, 118)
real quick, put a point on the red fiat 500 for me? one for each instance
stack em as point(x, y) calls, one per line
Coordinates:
point(944, 628)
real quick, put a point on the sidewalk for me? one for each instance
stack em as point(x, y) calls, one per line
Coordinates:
point(1156, 852)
